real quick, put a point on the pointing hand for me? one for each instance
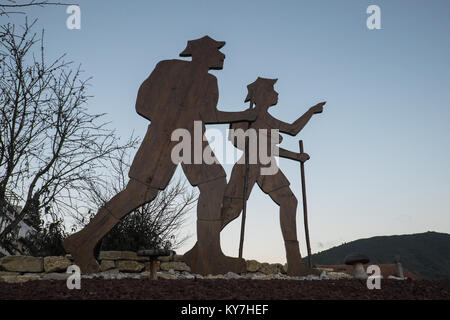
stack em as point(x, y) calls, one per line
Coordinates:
point(303, 157)
point(318, 108)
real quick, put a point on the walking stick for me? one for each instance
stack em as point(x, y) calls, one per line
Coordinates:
point(305, 208)
point(244, 199)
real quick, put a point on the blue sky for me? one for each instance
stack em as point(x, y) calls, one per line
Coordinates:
point(379, 151)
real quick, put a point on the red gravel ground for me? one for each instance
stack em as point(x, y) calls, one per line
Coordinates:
point(227, 289)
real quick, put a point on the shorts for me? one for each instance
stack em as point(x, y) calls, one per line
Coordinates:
point(153, 165)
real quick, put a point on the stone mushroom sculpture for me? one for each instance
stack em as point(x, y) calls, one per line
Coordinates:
point(153, 255)
point(357, 260)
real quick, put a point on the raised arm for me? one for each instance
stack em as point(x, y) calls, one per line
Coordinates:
point(294, 128)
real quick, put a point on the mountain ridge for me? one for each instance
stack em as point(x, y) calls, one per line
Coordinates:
point(427, 254)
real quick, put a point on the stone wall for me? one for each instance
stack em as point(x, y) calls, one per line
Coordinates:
point(114, 264)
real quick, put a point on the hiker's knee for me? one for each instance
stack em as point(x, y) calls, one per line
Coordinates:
point(292, 200)
point(210, 199)
point(142, 192)
point(231, 209)
point(284, 197)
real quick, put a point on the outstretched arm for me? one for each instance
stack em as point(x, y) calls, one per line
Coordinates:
point(211, 115)
point(294, 128)
point(229, 117)
point(302, 157)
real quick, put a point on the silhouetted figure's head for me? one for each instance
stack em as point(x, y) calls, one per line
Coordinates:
point(206, 52)
point(262, 93)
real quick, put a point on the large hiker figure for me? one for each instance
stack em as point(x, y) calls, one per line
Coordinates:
point(176, 94)
point(261, 93)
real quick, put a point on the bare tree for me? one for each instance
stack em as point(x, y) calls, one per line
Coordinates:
point(155, 224)
point(51, 148)
point(11, 6)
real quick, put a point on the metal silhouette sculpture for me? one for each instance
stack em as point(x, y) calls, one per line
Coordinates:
point(176, 95)
point(244, 175)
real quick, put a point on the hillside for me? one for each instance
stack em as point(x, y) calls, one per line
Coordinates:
point(425, 254)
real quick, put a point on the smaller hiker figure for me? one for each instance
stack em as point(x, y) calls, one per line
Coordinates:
point(262, 94)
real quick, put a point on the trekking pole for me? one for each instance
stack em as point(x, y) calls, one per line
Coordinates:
point(244, 204)
point(244, 199)
point(305, 208)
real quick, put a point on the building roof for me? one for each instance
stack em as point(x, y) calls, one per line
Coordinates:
point(386, 269)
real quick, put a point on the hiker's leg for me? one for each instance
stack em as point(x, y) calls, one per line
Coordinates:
point(288, 210)
point(234, 204)
point(234, 192)
point(231, 209)
point(206, 257)
point(81, 244)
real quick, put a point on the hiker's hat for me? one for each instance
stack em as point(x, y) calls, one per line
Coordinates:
point(257, 85)
point(202, 43)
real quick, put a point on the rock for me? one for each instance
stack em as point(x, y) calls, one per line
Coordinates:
point(55, 264)
point(177, 266)
point(22, 264)
point(171, 258)
point(324, 276)
point(55, 276)
point(280, 268)
point(253, 265)
point(232, 275)
point(129, 266)
point(108, 276)
point(166, 276)
point(107, 265)
point(254, 275)
point(280, 276)
point(20, 278)
point(324, 269)
point(312, 277)
point(118, 255)
point(269, 268)
point(266, 277)
point(339, 275)
point(395, 278)
point(144, 275)
point(143, 259)
point(111, 271)
point(132, 275)
point(9, 273)
point(165, 259)
point(217, 276)
point(186, 275)
point(178, 258)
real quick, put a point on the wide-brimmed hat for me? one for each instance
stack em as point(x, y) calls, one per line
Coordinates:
point(206, 42)
point(257, 85)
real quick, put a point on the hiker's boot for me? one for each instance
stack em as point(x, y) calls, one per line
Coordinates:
point(81, 245)
point(206, 257)
point(295, 267)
